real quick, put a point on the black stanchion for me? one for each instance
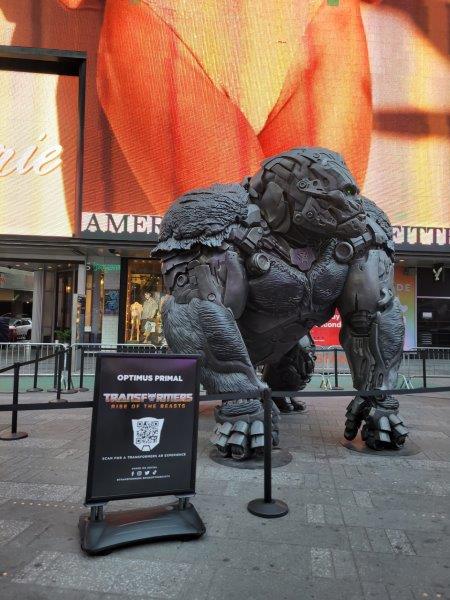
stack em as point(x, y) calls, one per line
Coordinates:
point(70, 389)
point(59, 369)
point(267, 507)
point(55, 372)
point(14, 434)
point(424, 369)
point(35, 388)
point(336, 379)
point(80, 387)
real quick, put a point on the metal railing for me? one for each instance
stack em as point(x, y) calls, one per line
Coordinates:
point(420, 366)
point(23, 352)
point(84, 355)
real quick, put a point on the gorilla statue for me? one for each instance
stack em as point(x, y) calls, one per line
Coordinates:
point(251, 268)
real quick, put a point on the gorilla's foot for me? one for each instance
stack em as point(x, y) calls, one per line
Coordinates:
point(289, 404)
point(239, 431)
point(299, 405)
point(284, 404)
point(383, 428)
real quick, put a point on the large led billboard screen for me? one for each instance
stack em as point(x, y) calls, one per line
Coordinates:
point(38, 152)
point(181, 94)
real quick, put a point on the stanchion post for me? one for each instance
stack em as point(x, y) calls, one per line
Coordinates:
point(267, 507)
point(81, 388)
point(60, 369)
point(60, 366)
point(424, 369)
point(14, 434)
point(69, 390)
point(336, 376)
point(55, 372)
point(35, 388)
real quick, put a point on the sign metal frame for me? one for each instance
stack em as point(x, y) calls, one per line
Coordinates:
point(92, 500)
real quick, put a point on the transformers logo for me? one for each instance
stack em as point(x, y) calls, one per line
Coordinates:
point(147, 433)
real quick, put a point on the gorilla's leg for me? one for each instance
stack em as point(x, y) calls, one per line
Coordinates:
point(209, 329)
point(292, 372)
point(372, 337)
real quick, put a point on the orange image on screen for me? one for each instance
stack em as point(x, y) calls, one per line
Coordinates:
point(183, 93)
point(198, 93)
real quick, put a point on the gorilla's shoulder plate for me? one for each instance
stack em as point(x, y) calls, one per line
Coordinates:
point(378, 219)
point(204, 216)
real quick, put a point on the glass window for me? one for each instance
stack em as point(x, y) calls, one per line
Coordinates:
point(144, 297)
point(433, 322)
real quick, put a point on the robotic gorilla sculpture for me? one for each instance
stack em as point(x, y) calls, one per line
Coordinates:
point(251, 268)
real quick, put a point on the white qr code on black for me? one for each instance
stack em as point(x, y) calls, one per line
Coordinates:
point(147, 433)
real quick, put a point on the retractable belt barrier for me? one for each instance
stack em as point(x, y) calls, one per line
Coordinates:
point(265, 507)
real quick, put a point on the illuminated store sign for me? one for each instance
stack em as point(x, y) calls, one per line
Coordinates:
point(123, 226)
point(432, 238)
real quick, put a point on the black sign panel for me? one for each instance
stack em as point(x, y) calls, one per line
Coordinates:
point(144, 427)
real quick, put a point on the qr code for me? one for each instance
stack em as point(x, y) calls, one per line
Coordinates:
point(147, 434)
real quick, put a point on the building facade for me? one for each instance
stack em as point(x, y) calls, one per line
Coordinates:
point(117, 107)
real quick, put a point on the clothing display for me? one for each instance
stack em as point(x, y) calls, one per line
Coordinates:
point(143, 300)
point(135, 314)
point(149, 309)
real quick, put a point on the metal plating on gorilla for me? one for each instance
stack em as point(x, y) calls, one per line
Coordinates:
point(251, 268)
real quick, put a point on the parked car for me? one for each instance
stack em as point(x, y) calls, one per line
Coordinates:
point(19, 329)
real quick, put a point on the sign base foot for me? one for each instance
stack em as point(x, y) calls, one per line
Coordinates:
point(116, 529)
point(8, 436)
point(268, 510)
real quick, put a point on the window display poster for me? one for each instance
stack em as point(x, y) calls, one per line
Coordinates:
point(369, 79)
point(144, 427)
point(328, 333)
point(405, 288)
point(111, 306)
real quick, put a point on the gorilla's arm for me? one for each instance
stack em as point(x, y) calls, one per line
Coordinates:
point(373, 330)
point(208, 289)
point(372, 337)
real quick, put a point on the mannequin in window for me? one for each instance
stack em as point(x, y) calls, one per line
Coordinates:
point(135, 317)
point(149, 310)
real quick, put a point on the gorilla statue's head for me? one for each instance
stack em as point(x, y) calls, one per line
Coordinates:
point(308, 191)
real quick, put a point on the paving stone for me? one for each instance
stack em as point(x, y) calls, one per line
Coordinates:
point(375, 591)
point(322, 563)
point(359, 540)
point(401, 570)
point(399, 542)
point(315, 513)
point(35, 442)
point(363, 499)
point(10, 529)
point(344, 566)
point(360, 526)
point(379, 540)
point(31, 491)
point(106, 574)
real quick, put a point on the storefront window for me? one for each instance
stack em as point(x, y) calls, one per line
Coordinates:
point(144, 297)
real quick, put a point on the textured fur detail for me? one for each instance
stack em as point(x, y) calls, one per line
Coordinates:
point(202, 327)
point(392, 332)
point(203, 216)
point(379, 216)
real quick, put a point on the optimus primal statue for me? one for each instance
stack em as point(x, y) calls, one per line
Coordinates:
point(251, 268)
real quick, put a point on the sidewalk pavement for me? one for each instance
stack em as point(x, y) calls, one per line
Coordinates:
point(360, 526)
